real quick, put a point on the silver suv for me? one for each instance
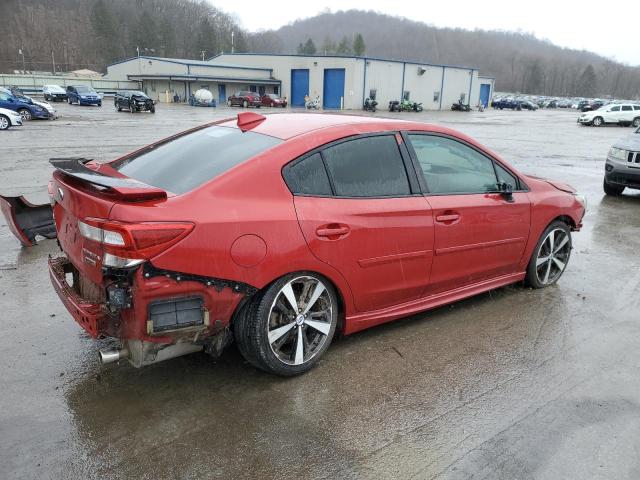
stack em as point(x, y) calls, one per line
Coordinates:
point(622, 169)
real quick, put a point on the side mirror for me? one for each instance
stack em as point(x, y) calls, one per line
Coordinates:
point(506, 190)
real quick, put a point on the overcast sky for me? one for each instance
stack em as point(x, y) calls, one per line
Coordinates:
point(595, 26)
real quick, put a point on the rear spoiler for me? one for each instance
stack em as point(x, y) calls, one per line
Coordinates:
point(121, 187)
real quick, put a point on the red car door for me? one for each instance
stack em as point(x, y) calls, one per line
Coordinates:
point(361, 212)
point(479, 232)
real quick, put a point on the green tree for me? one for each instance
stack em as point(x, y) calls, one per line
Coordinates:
point(206, 39)
point(328, 46)
point(535, 78)
point(587, 86)
point(309, 47)
point(344, 47)
point(106, 34)
point(358, 45)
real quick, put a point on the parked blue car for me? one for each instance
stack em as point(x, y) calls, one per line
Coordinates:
point(23, 105)
point(83, 95)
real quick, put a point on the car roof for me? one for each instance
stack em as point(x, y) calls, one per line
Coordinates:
point(289, 125)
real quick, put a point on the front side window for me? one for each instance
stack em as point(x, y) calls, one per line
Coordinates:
point(188, 161)
point(450, 167)
point(367, 167)
point(615, 109)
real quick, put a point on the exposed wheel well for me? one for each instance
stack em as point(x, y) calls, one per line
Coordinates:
point(567, 220)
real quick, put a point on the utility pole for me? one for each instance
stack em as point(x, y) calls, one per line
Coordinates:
point(24, 68)
point(53, 62)
point(203, 52)
point(232, 34)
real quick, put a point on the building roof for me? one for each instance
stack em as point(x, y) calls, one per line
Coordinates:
point(408, 62)
point(194, 78)
point(186, 61)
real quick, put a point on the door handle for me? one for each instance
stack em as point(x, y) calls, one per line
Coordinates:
point(332, 230)
point(447, 218)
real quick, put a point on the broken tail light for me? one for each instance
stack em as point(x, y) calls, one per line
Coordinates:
point(129, 244)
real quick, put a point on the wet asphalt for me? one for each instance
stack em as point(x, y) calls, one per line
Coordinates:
point(512, 384)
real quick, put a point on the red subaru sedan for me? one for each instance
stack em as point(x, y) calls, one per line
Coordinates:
point(277, 231)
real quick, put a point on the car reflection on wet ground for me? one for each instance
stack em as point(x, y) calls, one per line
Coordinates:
point(514, 383)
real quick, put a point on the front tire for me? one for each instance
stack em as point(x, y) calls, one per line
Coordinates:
point(550, 257)
point(4, 122)
point(597, 121)
point(286, 328)
point(612, 190)
point(25, 114)
point(636, 122)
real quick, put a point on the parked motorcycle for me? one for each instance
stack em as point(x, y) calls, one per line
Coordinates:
point(370, 105)
point(417, 107)
point(394, 106)
point(312, 104)
point(461, 107)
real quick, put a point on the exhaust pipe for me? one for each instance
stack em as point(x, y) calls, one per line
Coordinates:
point(111, 356)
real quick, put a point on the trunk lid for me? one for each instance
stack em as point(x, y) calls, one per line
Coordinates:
point(83, 190)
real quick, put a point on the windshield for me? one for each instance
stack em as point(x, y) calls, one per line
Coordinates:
point(85, 89)
point(272, 95)
point(187, 162)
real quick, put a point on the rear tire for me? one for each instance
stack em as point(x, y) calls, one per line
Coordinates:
point(274, 337)
point(550, 257)
point(598, 121)
point(612, 190)
point(636, 122)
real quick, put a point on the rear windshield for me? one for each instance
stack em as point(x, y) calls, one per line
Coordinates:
point(187, 162)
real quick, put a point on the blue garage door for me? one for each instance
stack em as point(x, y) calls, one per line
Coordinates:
point(333, 90)
point(485, 91)
point(299, 86)
point(222, 94)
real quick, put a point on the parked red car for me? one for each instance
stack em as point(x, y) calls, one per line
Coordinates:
point(299, 225)
point(273, 100)
point(244, 99)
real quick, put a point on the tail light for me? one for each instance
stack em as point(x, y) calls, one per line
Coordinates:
point(129, 244)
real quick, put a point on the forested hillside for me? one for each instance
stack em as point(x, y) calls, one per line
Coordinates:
point(91, 33)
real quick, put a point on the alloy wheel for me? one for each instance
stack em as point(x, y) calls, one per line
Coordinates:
point(300, 320)
point(553, 256)
point(4, 123)
point(25, 114)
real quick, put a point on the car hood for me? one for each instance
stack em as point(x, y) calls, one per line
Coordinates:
point(9, 113)
point(45, 105)
point(140, 97)
point(630, 142)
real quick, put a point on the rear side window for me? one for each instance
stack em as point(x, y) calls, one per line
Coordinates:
point(626, 108)
point(187, 162)
point(308, 177)
point(636, 107)
point(367, 167)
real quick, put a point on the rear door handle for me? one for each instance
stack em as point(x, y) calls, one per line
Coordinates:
point(332, 230)
point(450, 217)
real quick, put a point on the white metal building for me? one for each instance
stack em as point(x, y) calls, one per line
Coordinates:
point(339, 81)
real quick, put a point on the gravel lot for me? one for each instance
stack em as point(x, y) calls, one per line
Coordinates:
point(511, 384)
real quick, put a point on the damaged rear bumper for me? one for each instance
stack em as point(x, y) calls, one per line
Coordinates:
point(26, 220)
point(168, 315)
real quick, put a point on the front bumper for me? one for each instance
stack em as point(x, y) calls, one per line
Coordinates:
point(90, 101)
point(623, 177)
point(585, 121)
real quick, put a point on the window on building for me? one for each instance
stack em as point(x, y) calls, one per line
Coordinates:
point(372, 93)
point(405, 95)
point(463, 97)
point(276, 90)
point(253, 88)
point(450, 167)
point(367, 167)
point(436, 96)
point(261, 90)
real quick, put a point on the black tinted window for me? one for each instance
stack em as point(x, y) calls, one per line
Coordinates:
point(308, 177)
point(504, 176)
point(636, 107)
point(191, 160)
point(367, 167)
point(626, 108)
point(452, 167)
